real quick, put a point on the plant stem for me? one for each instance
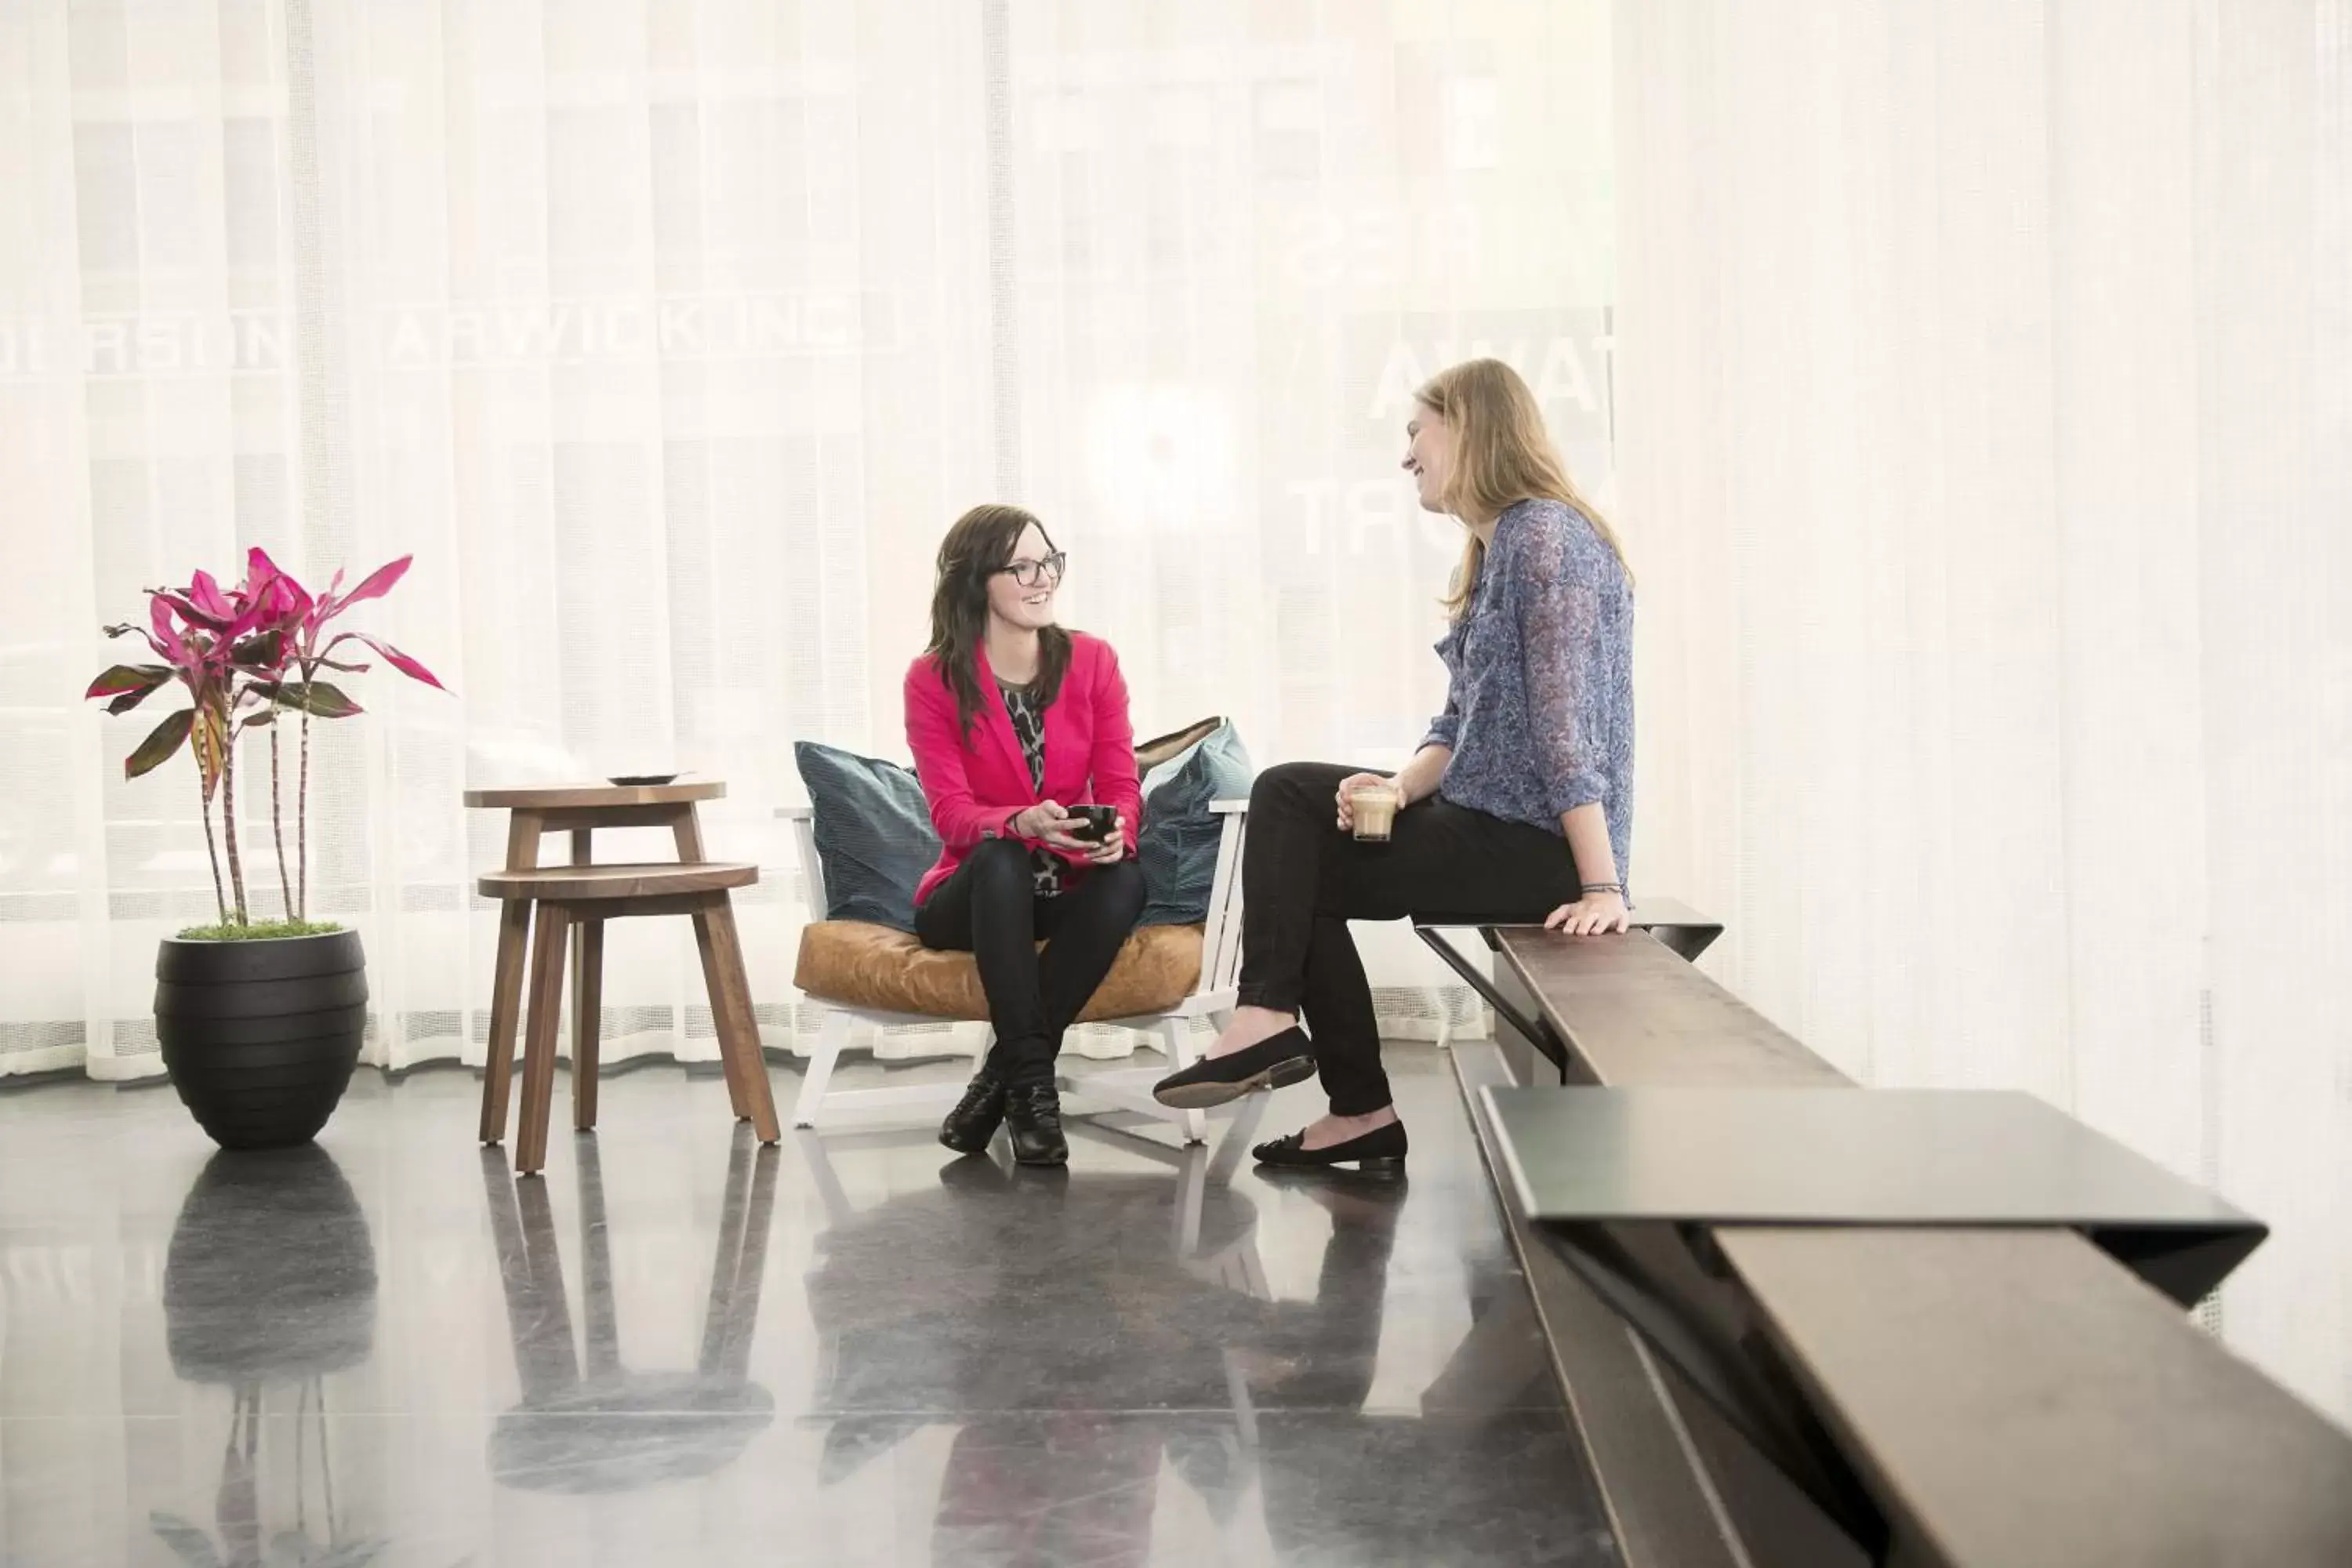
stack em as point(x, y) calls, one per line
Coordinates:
point(277, 821)
point(228, 824)
point(204, 802)
point(302, 824)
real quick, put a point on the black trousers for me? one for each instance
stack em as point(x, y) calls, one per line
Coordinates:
point(990, 908)
point(1304, 879)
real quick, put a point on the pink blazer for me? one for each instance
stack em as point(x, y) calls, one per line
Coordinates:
point(975, 787)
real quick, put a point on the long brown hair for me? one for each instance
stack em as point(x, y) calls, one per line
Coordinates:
point(979, 546)
point(1501, 454)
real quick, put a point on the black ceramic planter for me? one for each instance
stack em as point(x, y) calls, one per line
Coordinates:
point(260, 1036)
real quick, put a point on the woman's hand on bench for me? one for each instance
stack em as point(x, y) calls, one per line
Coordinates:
point(1594, 914)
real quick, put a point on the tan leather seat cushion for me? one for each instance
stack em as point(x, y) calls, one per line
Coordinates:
point(865, 965)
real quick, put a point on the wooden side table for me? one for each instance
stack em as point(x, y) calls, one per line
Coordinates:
point(586, 895)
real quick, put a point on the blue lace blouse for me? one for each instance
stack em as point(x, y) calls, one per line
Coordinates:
point(1540, 706)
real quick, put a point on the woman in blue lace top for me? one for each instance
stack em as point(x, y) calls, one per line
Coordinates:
point(1519, 799)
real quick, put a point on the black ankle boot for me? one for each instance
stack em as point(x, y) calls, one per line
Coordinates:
point(973, 1122)
point(1033, 1114)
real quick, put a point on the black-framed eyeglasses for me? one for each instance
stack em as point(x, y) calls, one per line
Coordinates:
point(1029, 573)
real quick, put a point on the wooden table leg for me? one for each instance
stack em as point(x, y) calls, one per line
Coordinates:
point(688, 831)
point(587, 1022)
point(714, 985)
point(506, 980)
point(539, 1042)
point(587, 998)
point(737, 1018)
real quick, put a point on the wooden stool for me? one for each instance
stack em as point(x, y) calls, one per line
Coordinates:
point(586, 896)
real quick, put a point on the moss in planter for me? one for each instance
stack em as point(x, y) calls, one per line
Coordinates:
point(259, 930)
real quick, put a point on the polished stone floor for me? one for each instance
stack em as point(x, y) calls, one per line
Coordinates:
point(678, 1348)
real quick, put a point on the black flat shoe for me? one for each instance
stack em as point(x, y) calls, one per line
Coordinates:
point(1033, 1115)
point(973, 1122)
point(1276, 1062)
point(1379, 1153)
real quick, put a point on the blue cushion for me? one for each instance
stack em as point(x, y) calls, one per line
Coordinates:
point(874, 835)
point(1179, 844)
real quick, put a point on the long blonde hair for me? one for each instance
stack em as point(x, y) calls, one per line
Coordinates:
point(1501, 454)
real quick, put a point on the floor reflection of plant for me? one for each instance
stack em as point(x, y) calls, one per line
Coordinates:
point(237, 1511)
point(270, 1284)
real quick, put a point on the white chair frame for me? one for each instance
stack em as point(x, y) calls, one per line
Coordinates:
point(1213, 998)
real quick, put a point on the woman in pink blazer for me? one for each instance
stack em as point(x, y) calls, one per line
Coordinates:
point(1014, 721)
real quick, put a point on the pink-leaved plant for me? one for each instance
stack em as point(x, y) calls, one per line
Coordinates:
point(233, 651)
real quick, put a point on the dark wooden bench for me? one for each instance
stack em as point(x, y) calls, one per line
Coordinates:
point(1679, 928)
point(1995, 1396)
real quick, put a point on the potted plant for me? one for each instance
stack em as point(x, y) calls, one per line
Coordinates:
point(260, 1021)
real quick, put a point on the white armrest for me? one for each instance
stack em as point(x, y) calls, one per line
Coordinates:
point(803, 833)
point(1227, 807)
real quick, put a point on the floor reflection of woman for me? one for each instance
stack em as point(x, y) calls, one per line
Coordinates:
point(1347, 1482)
point(1054, 1323)
point(1081, 1357)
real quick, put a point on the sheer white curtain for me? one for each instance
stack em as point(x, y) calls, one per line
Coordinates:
point(670, 337)
point(626, 320)
point(1986, 448)
point(1239, 236)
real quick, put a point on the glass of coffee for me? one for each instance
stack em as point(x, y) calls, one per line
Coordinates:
point(1374, 807)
